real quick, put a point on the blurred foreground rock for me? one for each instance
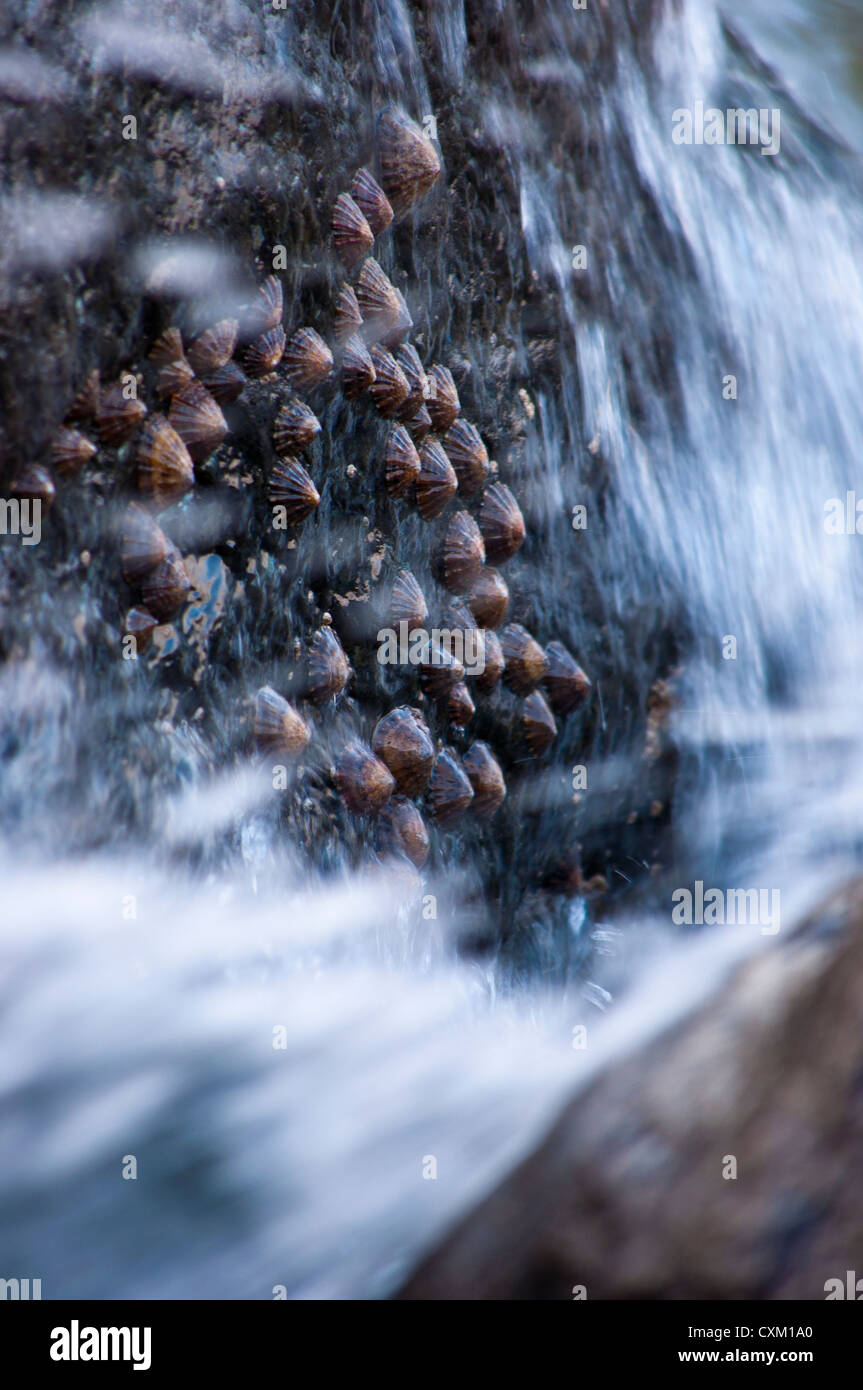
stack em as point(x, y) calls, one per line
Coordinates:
point(627, 1196)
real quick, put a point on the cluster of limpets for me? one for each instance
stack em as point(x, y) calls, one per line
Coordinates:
point(433, 458)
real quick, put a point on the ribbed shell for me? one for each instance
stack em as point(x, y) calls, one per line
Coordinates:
point(460, 706)
point(390, 388)
point(143, 544)
point(409, 360)
point(86, 403)
point(352, 236)
point(378, 298)
point(439, 670)
point(450, 792)
point(402, 462)
point(372, 201)
point(268, 305)
point(488, 597)
point(566, 684)
point(70, 450)
point(486, 778)
point(392, 334)
point(264, 354)
point(501, 523)
point(214, 347)
point(167, 586)
point(419, 425)
point(140, 624)
point(524, 657)
point(295, 427)
point(35, 483)
point(408, 602)
point(442, 403)
point(226, 384)
point(292, 488)
point(173, 371)
point(437, 482)
point(329, 668)
point(348, 319)
point(537, 723)
point(164, 465)
point(409, 163)
point(401, 739)
point(463, 552)
point(307, 359)
point(468, 456)
point(117, 417)
point(494, 662)
point(401, 830)
point(364, 782)
point(198, 420)
point(358, 369)
point(278, 728)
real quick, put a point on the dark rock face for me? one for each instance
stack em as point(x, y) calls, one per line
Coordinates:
point(248, 121)
point(631, 1194)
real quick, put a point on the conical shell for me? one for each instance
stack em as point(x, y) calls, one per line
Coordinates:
point(401, 830)
point(524, 657)
point(70, 450)
point(402, 462)
point(393, 334)
point(352, 236)
point(390, 388)
point(267, 307)
point(409, 360)
point(565, 682)
point(437, 482)
point(439, 670)
point(173, 370)
point(468, 456)
point(86, 403)
point(460, 706)
point(488, 597)
point(401, 740)
point(486, 778)
point(264, 354)
point(494, 662)
point(117, 417)
point(450, 792)
point(308, 361)
point(292, 488)
point(167, 586)
point(329, 668)
point(372, 201)
point(143, 544)
point(463, 552)
point(409, 163)
point(501, 523)
point(348, 319)
point(295, 427)
point(35, 484)
point(226, 384)
point(442, 402)
point(378, 298)
point(214, 347)
point(198, 420)
point(278, 728)
point(364, 782)
point(538, 724)
point(140, 623)
point(408, 603)
point(164, 467)
point(419, 425)
point(358, 369)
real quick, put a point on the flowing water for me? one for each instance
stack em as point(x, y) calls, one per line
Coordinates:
point(150, 1032)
